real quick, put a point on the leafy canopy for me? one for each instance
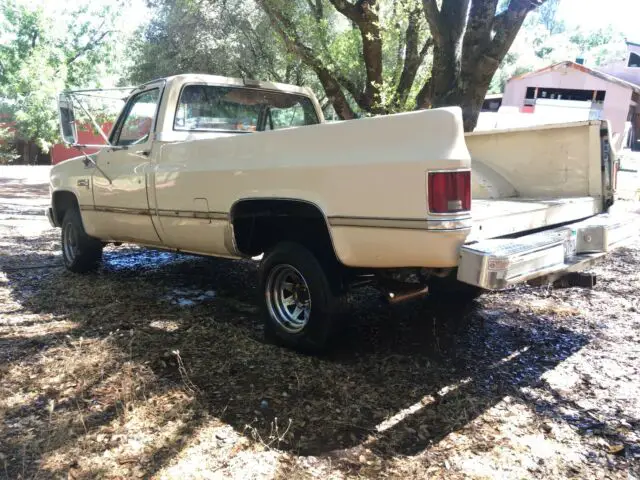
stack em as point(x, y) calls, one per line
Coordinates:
point(45, 51)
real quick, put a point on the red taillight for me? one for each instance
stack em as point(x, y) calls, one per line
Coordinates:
point(449, 192)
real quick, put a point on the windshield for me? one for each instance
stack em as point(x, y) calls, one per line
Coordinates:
point(238, 109)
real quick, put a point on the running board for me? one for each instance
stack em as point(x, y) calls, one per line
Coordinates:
point(500, 263)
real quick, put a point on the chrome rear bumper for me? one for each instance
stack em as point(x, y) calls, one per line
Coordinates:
point(500, 263)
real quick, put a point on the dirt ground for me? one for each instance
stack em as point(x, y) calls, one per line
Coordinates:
point(155, 367)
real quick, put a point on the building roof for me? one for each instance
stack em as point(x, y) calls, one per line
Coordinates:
point(634, 44)
point(581, 68)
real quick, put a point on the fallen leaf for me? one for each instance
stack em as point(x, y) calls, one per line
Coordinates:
point(617, 448)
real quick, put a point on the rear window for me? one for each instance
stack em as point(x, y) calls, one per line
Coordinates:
point(240, 109)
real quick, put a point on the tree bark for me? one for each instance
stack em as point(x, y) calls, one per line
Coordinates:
point(470, 41)
point(447, 28)
point(335, 95)
point(471, 99)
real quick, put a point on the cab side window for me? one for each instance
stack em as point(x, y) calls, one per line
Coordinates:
point(292, 116)
point(138, 120)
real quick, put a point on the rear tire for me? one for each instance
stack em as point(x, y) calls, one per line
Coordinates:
point(299, 304)
point(80, 252)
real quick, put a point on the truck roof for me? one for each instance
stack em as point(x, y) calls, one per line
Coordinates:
point(184, 78)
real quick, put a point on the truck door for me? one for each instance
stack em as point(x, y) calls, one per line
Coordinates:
point(120, 189)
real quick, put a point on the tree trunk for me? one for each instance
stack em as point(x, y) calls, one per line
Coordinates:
point(470, 41)
point(335, 95)
point(475, 80)
point(466, 89)
point(471, 100)
point(445, 77)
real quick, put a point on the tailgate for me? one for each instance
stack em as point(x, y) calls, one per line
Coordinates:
point(498, 218)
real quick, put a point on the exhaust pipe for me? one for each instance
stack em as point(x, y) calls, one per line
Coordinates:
point(405, 294)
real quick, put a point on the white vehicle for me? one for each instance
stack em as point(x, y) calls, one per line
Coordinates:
point(220, 166)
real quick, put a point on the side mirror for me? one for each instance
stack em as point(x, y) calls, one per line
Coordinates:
point(67, 120)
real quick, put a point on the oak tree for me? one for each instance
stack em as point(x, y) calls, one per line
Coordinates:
point(470, 38)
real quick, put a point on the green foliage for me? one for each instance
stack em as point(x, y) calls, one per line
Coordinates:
point(230, 37)
point(236, 38)
point(44, 52)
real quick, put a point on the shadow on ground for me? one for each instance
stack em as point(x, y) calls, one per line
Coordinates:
point(398, 380)
point(19, 189)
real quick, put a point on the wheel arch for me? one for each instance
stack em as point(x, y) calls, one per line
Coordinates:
point(61, 202)
point(275, 207)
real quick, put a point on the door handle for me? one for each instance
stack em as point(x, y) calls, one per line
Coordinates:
point(143, 152)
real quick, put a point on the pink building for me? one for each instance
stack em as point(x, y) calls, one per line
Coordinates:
point(611, 93)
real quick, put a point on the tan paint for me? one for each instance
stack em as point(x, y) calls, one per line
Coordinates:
point(494, 218)
point(368, 177)
point(65, 177)
point(540, 162)
point(127, 188)
point(394, 248)
point(325, 165)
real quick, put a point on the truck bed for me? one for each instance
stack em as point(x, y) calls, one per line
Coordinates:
point(496, 218)
point(525, 179)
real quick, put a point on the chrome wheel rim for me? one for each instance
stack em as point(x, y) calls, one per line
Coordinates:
point(288, 298)
point(70, 242)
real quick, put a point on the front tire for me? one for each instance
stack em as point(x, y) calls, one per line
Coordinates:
point(80, 252)
point(299, 304)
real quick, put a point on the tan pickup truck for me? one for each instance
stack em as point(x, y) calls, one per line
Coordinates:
point(235, 168)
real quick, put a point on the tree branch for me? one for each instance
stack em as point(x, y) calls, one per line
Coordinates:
point(246, 72)
point(425, 48)
point(364, 15)
point(423, 99)
point(259, 51)
point(318, 13)
point(347, 9)
point(316, 8)
point(397, 64)
point(90, 45)
point(329, 82)
point(412, 59)
point(432, 13)
point(506, 26)
point(479, 27)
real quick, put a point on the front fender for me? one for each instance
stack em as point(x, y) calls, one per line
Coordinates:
point(70, 186)
point(75, 177)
